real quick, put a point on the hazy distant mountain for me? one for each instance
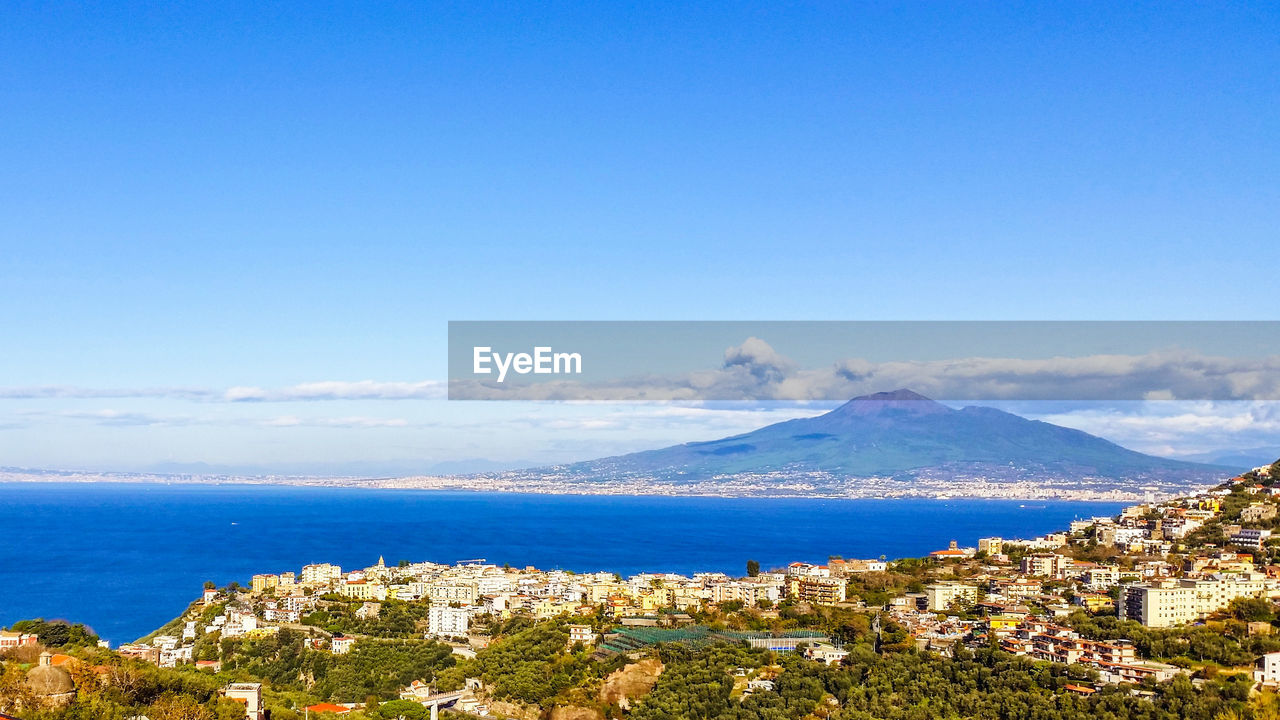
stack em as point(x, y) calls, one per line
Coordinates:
point(1246, 459)
point(899, 433)
point(362, 469)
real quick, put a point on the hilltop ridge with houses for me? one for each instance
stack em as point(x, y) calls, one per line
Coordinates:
point(1185, 587)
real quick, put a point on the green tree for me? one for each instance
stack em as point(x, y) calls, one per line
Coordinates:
point(401, 710)
point(172, 706)
point(1252, 609)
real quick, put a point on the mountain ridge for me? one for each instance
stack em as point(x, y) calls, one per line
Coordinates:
point(899, 433)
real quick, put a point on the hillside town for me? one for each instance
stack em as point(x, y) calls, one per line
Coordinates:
point(1094, 597)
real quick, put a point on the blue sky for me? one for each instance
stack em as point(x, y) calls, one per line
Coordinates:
point(267, 195)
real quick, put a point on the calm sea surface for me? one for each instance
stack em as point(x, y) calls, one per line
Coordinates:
point(126, 558)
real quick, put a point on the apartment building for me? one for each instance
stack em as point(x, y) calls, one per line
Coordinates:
point(1174, 602)
point(582, 634)
point(1251, 538)
point(1049, 565)
point(817, 590)
point(748, 593)
point(363, 590)
point(942, 596)
point(465, 592)
point(1121, 536)
point(1101, 577)
point(320, 574)
point(1258, 512)
point(274, 613)
point(1041, 640)
point(262, 583)
point(446, 621)
point(1116, 660)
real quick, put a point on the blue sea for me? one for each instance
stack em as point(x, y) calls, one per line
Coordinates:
point(126, 558)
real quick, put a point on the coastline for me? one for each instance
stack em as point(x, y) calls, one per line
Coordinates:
point(739, 488)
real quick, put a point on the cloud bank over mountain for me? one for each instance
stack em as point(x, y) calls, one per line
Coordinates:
point(754, 370)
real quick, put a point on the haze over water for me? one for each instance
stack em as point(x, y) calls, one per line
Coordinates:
point(126, 558)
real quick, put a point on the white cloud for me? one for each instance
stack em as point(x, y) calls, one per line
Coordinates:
point(339, 390)
point(75, 392)
point(320, 390)
point(1178, 428)
point(108, 416)
point(336, 422)
point(128, 418)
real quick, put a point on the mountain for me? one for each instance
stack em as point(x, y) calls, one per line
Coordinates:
point(1240, 459)
point(896, 434)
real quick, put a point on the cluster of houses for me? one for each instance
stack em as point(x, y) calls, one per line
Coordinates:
point(10, 639)
point(238, 619)
point(458, 593)
point(1115, 660)
point(995, 602)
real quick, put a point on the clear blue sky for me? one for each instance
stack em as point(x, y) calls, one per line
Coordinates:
point(268, 194)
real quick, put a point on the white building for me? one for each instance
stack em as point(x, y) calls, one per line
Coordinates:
point(1102, 577)
point(1120, 536)
point(320, 574)
point(800, 569)
point(1174, 602)
point(494, 584)
point(825, 653)
point(251, 695)
point(748, 593)
point(10, 639)
point(278, 615)
point(1267, 669)
point(446, 621)
point(465, 592)
point(942, 596)
point(582, 634)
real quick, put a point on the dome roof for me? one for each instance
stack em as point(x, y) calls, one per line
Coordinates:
point(49, 680)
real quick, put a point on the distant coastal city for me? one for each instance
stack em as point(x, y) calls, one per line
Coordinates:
point(1024, 485)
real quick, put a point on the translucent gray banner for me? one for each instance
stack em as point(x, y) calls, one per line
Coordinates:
point(832, 361)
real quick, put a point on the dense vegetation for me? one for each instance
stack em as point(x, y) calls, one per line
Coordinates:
point(1226, 643)
point(395, 618)
point(985, 684)
point(120, 689)
point(57, 633)
point(373, 667)
point(531, 663)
